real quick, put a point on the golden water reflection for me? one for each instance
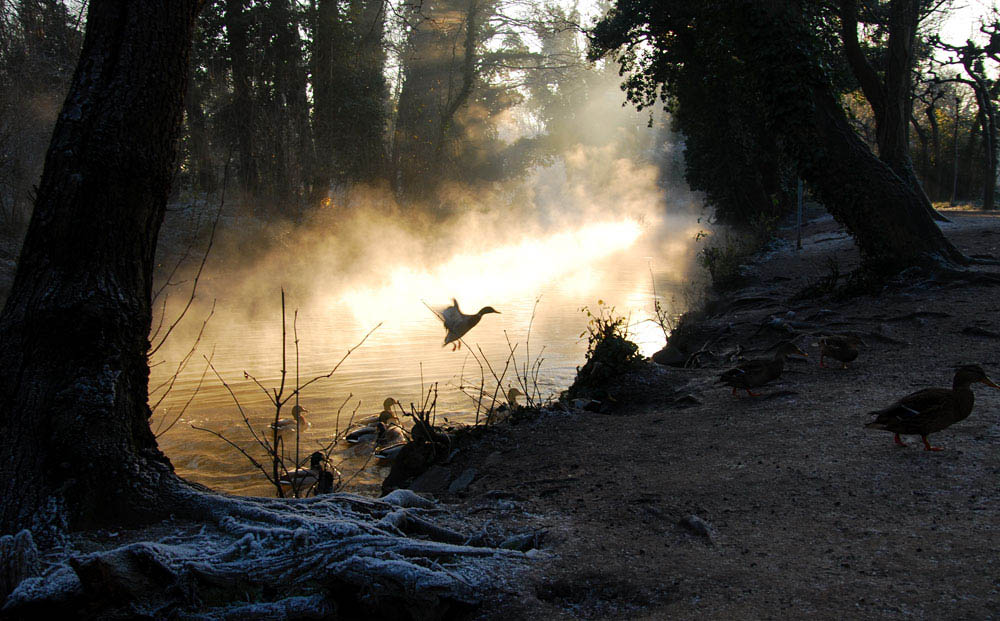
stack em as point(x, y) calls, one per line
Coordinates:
point(561, 272)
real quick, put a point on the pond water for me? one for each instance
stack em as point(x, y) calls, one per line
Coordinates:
point(541, 283)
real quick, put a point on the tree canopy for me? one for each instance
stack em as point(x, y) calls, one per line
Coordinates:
point(773, 63)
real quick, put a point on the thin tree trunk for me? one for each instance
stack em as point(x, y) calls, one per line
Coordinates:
point(924, 151)
point(75, 443)
point(199, 153)
point(954, 176)
point(937, 189)
point(967, 163)
point(467, 79)
point(987, 117)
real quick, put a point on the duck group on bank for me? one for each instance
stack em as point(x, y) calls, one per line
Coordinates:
point(920, 413)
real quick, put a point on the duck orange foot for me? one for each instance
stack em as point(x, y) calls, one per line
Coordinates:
point(928, 447)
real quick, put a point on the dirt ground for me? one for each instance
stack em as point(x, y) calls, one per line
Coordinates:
point(686, 502)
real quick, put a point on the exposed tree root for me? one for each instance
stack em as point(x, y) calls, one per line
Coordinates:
point(983, 259)
point(936, 272)
point(963, 277)
point(338, 555)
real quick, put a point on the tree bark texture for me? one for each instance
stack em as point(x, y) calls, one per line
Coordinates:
point(75, 445)
point(885, 214)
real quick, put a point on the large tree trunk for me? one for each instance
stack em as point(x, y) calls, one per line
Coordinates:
point(243, 110)
point(886, 215)
point(75, 444)
point(349, 90)
point(328, 36)
point(439, 76)
point(889, 95)
point(371, 159)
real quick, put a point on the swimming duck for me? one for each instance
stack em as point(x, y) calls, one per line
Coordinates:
point(386, 409)
point(841, 347)
point(291, 424)
point(370, 432)
point(458, 323)
point(301, 479)
point(755, 373)
point(388, 454)
point(329, 480)
point(390, 434)
point(932, 409)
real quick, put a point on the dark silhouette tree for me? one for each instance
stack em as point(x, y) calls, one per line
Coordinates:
point(75, 443)
point(972, 58)
point(887, 83)
point(242, 113)
point(39, 44)
point(779, 59)
point(439, 77)
point(349, 91)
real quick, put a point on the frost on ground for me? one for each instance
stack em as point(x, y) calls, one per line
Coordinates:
point(334, 555)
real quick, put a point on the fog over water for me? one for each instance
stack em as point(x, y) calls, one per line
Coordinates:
point(599, 223)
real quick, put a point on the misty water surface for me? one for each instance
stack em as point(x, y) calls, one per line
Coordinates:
point(402, 358)
point(589, 227)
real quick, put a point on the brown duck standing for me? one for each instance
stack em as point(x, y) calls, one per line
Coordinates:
point(756, 373)
point(840, 347)
point(932, 409)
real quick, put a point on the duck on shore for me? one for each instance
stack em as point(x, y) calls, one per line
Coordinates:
point(840, 347)
point(932, 409)
point(757, 372)
point(458, 323)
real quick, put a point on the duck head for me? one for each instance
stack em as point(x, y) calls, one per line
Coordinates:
point(970, 373)
point(315, 460)
point(487, 310)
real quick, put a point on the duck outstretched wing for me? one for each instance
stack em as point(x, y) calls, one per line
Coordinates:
point(452, 315)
